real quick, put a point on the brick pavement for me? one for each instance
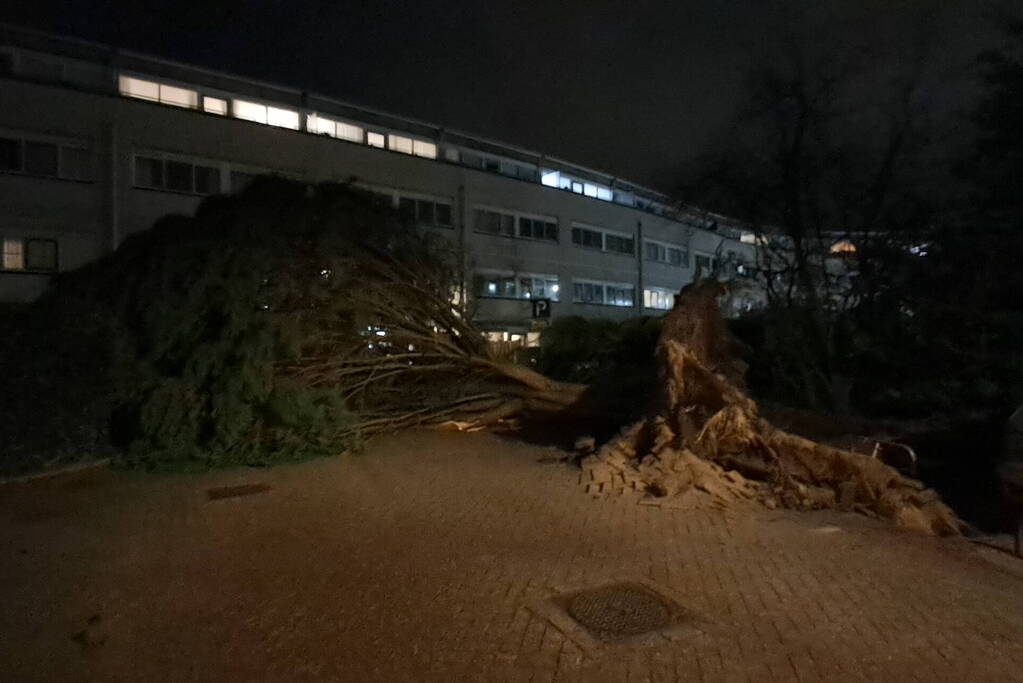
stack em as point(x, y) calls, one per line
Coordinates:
point(432, 558)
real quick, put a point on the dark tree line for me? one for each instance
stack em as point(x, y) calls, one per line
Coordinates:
point(834, 147)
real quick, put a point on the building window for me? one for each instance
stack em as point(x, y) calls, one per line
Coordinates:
point(494, 222)
point(606, 293)
point(425, 212)
point(514, 225)
point(538, 229)
point(665, 253)
point(35, 255)
point(40, 158)
point(421, 148)
point(522, 286)
point(399, 143)
point(14, 254)
point(249, 111)
point(158, 92)
point(176, 176)
point(323, 125)
point(704, 263)
point(214, 105)
point(375, 140)
point(282, 118)
point(41, 255)
point(658, 298)
point(605, 241)
point(619, 244)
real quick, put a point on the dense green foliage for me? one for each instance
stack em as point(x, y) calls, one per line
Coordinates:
point(176, 341)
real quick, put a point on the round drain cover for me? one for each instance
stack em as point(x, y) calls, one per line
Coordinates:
point(619, 610)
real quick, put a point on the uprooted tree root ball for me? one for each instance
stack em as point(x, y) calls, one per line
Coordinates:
point(707, 445)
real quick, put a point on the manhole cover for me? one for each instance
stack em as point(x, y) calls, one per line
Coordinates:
point(620, 610)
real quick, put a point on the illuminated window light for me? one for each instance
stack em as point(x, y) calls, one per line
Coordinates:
point(375, 140)
point(14, 255)
point(399, 143)
point(178, 97)
point(214, 105)
point(136, 87)
point(347, 131)
point(249, 111)
point(421, 148)
point(843, 247)
point(282, 118)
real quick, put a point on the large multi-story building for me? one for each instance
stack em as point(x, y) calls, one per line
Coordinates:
point(97, 143)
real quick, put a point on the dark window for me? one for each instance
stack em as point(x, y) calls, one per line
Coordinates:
point(148, 172)
point(424, 212)
point(492, 165)
point(75, 163)
point(444, 214)
point(240, 180)
point(10, 154)
point(179, 176)
point(207, 180)
point(550, 231)
point(40, 255)
point(622, 245)
point(526, 227)
point(587, 238)
point(407, 208)
point(41, 158)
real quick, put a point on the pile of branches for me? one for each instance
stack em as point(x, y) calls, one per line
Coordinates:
point(707, 445)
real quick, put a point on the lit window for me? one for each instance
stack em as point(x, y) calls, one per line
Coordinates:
point(136, 87)
point(320, 125)
point(604, 193)
point(282, 118)
point(14, 255)
point(657, 298)
point(399, 144)
point(214, 105)
point(375, 140)
point(249, 111)
point(424, 149)
point(590, 190)
point(550, 178)
point(178, 97)
point(347, 131)
point(843, 247)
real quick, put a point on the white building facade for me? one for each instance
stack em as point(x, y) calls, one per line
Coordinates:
point(97, 143)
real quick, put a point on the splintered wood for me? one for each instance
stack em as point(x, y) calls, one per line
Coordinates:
point(707, 445)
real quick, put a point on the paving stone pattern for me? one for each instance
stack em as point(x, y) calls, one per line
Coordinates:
point(425, 559)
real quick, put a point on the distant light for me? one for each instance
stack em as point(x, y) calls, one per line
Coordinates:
point(555, 288)
point(843, 247)
point(491, 287)
point(381, 333)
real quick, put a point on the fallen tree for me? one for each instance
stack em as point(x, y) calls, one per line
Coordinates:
point(707, 445)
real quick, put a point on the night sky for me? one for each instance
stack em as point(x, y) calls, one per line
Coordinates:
point(635, 88)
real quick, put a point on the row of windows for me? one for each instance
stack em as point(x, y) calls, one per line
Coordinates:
point(666, 253)
point(281, 117)
point(32, 255)
point(605, 241)
point(560, 180)
point(532, 286)
point(284, 117)
point(513, 225)
point(522, 286)
point(176, 176)
point(426, 212)
point(35, 157)
point(606, 293)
